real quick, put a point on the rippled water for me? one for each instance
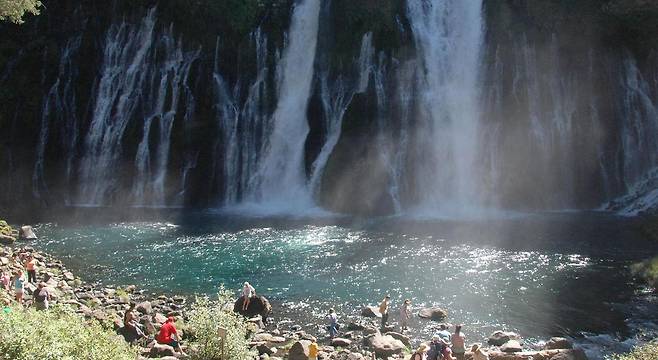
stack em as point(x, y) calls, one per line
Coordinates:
point(539, 275)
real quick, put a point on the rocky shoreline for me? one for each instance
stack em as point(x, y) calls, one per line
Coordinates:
point(283, 339)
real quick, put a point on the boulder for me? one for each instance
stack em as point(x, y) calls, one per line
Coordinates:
point(371, 311)
point(258, 305)
point(511, 346)
point(6, 239)
point(558, 343)
point(263, 337)
point(68, 276)
point(264, 349)
point(405, 339)
point(4, 261)
point(299, 350)
point(144, 307)
point(498, 338)
point(341, 342)
point(355, 326)
point(27, 233)
point(386, 345)
point(160, 350)
point(570, 354)
point(433, 313)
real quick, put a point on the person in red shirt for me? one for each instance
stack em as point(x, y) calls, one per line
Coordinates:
point(168, 335)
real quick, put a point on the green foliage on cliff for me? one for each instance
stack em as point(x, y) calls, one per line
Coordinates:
point(206, 316)
point(14, 10)
point(644, 352)
point(647, 271)
point(57, 334)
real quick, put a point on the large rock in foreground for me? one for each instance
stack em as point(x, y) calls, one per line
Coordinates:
point(498, 338)
point(433, 313)
point(27, 233)
point(258, 305)
point(299, 350)
point(386, 345)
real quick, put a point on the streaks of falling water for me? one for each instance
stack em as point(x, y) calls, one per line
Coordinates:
point(167, 82)
point(59, 108)
point(280, 180)
point(448, 36)
point(118, 94)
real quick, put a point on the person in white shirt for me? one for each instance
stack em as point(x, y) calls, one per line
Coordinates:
point(248, 292)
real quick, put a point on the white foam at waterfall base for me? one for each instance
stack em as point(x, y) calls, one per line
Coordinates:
point(280, 182)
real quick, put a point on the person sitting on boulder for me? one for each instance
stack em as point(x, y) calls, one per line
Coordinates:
point(41, 297)
point(421, 353)
point(458, 343)
point(248, 292)
point(19, 282)
point(169, 336)
point(383, 309)
point(478, 353)
point(131, 325)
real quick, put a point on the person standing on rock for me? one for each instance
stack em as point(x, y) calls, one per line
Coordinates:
point(41, 297)
point(405, 315)
point(458, 343)
point(168, 335)
point(248, 292)
point(31, 271)
point(332, 321)
point(383, 309)
point(19, 283)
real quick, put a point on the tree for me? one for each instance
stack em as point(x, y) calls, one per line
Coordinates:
point(14, 10)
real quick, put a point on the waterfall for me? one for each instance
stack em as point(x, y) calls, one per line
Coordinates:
point(335, 101)
point(243, 126)
point(639, 142)
point(166, 83)
point(123, 74)
point(281, 179)
point(448, 36)
point(59, 108)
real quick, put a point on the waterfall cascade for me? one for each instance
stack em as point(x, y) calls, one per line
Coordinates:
point(465, 115)
point(448, 37)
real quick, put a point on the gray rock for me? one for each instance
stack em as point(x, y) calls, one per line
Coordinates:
point(386, 345)
point(433, 313)
point(144, 307)
point(511, 346)
point(498, 338)
point(405, 339)
point(371, 311)
point(160, 350)
point(342, 342)
point(558, 343)
point(299, 350)
point(27, 233)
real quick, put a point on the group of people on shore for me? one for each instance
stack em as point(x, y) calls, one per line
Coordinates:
point(443, 346)
point(41, 296)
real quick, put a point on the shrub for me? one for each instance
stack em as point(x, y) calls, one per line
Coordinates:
point(57, 334)
point(643, 352)
point(647, 271)
point(206, 316)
